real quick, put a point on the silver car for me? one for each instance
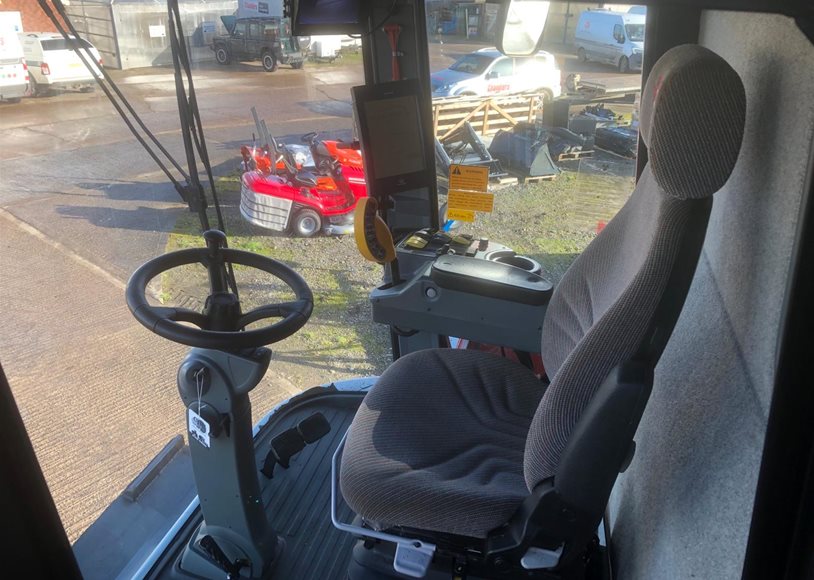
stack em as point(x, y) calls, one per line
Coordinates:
point(488, 72)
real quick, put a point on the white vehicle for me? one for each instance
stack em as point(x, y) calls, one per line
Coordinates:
point(487, 72)
point(53, 63)
point(615, 38)
point(13, 69)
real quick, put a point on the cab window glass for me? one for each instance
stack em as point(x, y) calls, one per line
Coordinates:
point(565, 161)
point(241, 28)
point(618, 32)
point(62, 44)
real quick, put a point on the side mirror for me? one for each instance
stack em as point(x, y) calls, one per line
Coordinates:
point(620, 39)
point(521, 24)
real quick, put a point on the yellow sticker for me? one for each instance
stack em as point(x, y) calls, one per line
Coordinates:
point(470, 200)
point(462, 215)
point(468, 177)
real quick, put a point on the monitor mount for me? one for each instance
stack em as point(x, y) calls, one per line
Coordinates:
point(214, 381)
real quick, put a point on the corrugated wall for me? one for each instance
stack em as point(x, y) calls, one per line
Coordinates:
point(683, 508)
point(133, 34)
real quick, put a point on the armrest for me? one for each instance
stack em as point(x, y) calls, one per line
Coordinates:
point(492, 279)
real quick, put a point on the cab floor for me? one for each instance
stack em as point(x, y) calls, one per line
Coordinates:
point(298, 498)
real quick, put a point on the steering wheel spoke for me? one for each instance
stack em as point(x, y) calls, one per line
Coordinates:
point(282, 310)
point(176, 314)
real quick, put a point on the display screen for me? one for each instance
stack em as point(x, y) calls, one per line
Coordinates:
point(394, 130)
point(327, 16)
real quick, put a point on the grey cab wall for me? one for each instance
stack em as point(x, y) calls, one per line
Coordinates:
point(683, 508)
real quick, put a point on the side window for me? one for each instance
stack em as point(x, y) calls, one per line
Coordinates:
point(503, 67)
point(618, 32)
point(240, 29)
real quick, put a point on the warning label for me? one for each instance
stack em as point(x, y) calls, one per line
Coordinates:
point(470, 200)
point(468, 178)
point(462, 215)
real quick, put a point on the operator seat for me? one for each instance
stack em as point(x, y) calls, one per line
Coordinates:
point(454, 441)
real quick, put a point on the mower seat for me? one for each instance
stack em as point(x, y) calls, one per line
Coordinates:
point(305, 179)
point(455, 444)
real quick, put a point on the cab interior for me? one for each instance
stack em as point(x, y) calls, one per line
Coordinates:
point(670, 436)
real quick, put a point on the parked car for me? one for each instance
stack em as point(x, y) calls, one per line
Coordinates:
point(13, 69)
point(54, 64)
point(268, 40)
point(615, 38)
point(487, 72)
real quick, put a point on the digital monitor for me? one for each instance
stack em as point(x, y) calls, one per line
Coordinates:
point(315, 17)
point(397, 154)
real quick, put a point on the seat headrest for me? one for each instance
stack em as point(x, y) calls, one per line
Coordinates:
point(692, 117)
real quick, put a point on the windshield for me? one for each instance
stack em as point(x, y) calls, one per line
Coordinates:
point(472, 64)
point(635, 32)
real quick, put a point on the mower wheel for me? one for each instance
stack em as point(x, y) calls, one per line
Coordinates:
point(307, 223)
point(269, 62)
point(222, 55)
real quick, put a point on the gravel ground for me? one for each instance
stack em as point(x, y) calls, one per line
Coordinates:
point(551, 222)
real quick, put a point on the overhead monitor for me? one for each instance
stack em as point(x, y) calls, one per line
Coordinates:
point(315, 17)
point(394, 145)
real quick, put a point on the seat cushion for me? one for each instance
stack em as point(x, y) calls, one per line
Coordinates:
point(438, 443)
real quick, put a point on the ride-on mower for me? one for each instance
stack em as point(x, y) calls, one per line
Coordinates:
point(301, 188)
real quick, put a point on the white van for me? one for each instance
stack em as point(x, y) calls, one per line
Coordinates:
point(615, 38)
point(13, 70)
point(53, 64)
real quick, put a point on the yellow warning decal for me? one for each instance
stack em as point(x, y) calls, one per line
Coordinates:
point(468, 177)
point(462, 215)
point(470, 200)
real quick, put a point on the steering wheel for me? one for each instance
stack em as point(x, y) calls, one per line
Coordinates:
point(220, 324)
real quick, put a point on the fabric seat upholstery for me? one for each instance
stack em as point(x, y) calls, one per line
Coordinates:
point(440, 442)
point(418, 452)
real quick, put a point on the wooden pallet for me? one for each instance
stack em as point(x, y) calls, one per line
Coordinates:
point(532, 179)
point(504, 181)
point(487, 115)
point(575, 155)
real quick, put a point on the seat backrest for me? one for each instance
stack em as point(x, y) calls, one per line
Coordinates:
point(692, 117)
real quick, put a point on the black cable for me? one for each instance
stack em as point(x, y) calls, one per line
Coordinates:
point(197, 127)
point(63, 14)
point(379, 25)
point(196, 188)
point(192, 126)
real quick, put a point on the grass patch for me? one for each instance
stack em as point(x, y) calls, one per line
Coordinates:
point(551, 222)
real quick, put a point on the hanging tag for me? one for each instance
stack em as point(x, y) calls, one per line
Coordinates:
point(198, 428)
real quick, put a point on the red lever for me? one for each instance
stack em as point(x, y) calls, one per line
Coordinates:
point(393, 31)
